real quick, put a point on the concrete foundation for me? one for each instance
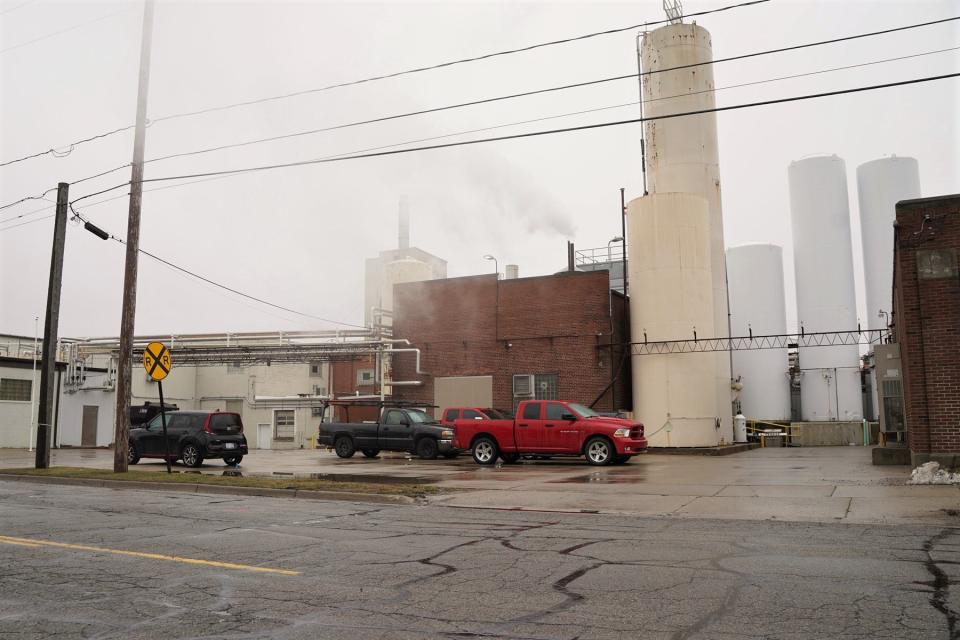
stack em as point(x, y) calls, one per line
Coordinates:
point(891, 456)
point(829, 434)
point(949, 460)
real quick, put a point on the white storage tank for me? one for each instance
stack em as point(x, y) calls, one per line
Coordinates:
point(682, 156)
point(758, 304)
point(671, 295)
point(880, 185)
point(826, 300)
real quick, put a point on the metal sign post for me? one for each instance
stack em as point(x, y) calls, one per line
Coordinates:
point(157, 363)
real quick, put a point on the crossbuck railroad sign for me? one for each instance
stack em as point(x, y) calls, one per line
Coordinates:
point(156, 360)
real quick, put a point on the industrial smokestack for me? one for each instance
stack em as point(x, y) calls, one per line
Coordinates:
point(511, 272)
point(403, 240)
point(570, 262)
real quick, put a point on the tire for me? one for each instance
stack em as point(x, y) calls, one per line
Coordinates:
point(133, 456)
point(599, 451)
point(370, 453)
point(233, 460)
point(343, 445)
point(621, 460)
point(191, 455)
point(450, 455)
point(485, 451)
point(427, 448)
point(510, 458)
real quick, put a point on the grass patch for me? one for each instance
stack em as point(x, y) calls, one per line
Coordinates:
point(178, 476)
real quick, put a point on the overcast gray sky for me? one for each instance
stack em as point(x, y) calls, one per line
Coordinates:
point(298, 237)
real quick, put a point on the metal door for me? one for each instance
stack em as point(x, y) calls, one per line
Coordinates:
point(88, 428)
point(264, 435)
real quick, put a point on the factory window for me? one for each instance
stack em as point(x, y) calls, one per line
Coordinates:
point(318, 390)
point(16, 390)
point(316, 369)
point(364, 377)
point(545, 386)
point(284, 424)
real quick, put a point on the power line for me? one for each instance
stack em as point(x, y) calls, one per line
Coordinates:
point(214, 283)
point(19, 6)
point(451, 63)
point(479, 101)
point(502, 125)
point(532, 134)
point(518, 95)
point(62, 31)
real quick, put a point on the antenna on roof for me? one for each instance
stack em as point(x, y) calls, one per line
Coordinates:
point(674, 11)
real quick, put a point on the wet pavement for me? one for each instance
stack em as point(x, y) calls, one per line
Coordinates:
point(824, 484)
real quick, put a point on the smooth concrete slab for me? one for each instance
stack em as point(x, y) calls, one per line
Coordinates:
point(746, 508)
point(778, 491)
point(905, 510)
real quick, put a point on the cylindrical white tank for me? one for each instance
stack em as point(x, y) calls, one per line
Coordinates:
point(671, 296)
point(739, 428)
point(758, 305)
point(511, 272)
point(826, 302)
point(880, 185)
point(682, 155)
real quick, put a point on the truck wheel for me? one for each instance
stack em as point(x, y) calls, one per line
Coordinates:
point(510, 458)
point(427, 448)
point(370, 453)
point(485, 451)
point(133, 456)
point(599, 451)
point(344, 447)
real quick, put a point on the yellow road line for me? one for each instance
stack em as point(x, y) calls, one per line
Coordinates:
point(27, 542)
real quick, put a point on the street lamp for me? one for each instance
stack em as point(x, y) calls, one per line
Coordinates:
point(611, 241)
point(496, 265)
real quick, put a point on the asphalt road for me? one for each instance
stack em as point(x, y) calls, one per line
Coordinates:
point(79, 562)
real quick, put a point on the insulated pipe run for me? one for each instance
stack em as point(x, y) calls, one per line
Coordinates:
point(410, 350)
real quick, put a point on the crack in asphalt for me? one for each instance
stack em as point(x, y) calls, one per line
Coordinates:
point(940, 584)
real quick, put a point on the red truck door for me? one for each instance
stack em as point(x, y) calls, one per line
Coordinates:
point(529, 431)
point(560, 435)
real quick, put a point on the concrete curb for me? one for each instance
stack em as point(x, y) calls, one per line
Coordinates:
point(183, 487)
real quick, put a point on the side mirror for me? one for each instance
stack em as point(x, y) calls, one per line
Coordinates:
point(568, 416)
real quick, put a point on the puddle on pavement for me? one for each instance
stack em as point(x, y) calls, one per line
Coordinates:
point(603, 478)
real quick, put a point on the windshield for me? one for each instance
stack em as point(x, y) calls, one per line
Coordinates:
point(416, 415)
point(582, 411)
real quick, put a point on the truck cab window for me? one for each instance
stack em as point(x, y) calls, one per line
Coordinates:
point(393, 418)
point(470, 414)
point(532, 411)
point(453, 414)
point(555, 411)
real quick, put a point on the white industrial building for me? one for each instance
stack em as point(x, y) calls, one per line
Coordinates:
point(278, 403)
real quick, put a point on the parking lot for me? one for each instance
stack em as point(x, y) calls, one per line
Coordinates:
point(826, 484)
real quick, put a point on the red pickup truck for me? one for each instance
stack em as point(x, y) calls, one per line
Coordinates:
point(551, 427)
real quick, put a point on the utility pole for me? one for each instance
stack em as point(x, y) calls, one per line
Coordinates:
point(51, 321)
point(124, 361)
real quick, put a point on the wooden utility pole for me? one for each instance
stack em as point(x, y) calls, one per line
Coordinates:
point(125, 362)
point(50, 326)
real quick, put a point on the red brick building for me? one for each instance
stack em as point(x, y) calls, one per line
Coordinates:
point(485, 339)
point(927, 321)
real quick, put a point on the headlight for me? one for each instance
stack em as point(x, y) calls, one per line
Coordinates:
point(622, 433)
point(446, 435)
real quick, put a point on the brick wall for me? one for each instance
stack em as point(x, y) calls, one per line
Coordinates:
point(478, 325)
point(927, 322)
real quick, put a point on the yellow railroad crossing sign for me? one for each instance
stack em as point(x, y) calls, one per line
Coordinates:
point(156, 360)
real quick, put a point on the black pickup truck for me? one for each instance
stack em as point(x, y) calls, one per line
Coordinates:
point(398, 430)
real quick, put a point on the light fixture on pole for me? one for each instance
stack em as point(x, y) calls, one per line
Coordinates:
point(609, 242)
point(496, 265)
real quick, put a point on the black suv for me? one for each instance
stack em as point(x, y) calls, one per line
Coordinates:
point(192, 436)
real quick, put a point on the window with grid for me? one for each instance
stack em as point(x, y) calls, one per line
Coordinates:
point(545, 386)
point(234, 367)
point(364, 377)
point(316, 369)
point(283, 424)
point(15, 390)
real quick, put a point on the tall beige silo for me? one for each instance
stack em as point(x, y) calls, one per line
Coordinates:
point(671, 296)
point(682, 156)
